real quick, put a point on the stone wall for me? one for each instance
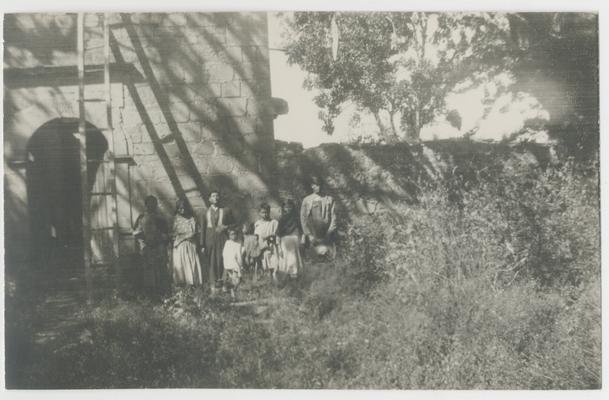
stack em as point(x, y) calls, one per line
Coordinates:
point(374, 178)
point(193, 110)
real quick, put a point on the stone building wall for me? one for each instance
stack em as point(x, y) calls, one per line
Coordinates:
point(191, 106)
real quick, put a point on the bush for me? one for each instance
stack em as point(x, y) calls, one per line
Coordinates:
point(495, 286)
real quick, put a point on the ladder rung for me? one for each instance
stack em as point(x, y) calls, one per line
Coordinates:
point(90, 70)
point(94, 47)
point(94, 100)
point(125, 159)
point(101, 193)
point(167, 139)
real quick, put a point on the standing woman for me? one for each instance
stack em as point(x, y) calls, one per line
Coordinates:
point(186, 264)
point(151, 234)
point(290, 234)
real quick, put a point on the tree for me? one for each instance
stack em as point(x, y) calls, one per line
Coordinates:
point(399, 66)
point(561, 48)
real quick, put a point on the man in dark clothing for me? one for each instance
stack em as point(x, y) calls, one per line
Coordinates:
point(214, 223)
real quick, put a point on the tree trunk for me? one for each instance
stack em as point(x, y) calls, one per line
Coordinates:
point(388, 136)
point(414, 127)
point(392, 122)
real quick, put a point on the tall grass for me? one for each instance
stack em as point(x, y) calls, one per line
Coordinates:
point(494, 287)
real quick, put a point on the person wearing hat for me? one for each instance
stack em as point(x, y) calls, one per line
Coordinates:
point(318, 220)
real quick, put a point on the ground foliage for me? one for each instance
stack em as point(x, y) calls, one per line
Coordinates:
point(496, 286)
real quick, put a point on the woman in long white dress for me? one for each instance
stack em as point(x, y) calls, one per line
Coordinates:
point(186, 264)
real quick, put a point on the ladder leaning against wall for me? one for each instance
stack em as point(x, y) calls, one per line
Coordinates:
point(99, 193)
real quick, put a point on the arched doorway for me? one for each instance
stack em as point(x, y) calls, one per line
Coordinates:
point(54, 187)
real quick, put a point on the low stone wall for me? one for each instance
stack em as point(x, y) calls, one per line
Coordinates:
point(371, 178)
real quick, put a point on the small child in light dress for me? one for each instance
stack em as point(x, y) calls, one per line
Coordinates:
point(232, 254)
point(251, 256)
point(265, 228)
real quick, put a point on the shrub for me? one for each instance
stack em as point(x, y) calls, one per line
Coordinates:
point(495, 286)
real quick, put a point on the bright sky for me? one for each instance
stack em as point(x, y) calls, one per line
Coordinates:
point(302, 125)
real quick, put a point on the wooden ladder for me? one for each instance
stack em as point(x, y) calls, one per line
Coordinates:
point(100, 233)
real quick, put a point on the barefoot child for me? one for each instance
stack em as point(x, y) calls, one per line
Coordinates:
point(266, 229)
point(233, 264)
point(251, 256)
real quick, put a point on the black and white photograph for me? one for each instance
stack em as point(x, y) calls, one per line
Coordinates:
point(391, 199)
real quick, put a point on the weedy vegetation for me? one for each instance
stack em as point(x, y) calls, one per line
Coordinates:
point(493, 286)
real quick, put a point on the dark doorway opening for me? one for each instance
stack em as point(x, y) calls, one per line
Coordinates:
point(54, 187)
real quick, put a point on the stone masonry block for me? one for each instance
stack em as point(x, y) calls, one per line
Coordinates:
point(235, 36)
point(192, 35)
point(219, 72)
point(242, 125)
point(253, 71)
point(232, 106)
point(207, 132)
point(205, 148)
point(191, 131)
point(180, 111)
point(222, 164)
point(162, 130)
point(196, 201)
point(254, 54)
point(151, 18)
point(219, 34)
point(137, 133)
point(231, 89)
point(202, 164)
point(257, 88)
point(143, 149)
point(230, 55)
point(260, 107)
point(193, 74)
point(94, 57)
point(204, 112)
point(66, 22)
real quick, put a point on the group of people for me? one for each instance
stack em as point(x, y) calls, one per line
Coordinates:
point(216, 250)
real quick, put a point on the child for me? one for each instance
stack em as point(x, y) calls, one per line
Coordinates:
point(290, 232)
point(232, 254)
point(266, 229)
point(251, 256)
